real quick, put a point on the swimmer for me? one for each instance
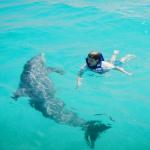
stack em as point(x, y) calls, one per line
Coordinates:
point(96, 63)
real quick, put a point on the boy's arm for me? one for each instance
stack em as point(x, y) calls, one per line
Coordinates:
point(80, 74)
point(79, 78)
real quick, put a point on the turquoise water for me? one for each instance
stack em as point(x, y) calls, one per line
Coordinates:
point(66, 32)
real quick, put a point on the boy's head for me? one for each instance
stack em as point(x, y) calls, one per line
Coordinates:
point(93, 58)
point(94, 54)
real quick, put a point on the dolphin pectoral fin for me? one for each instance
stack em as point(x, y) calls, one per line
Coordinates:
point(49, 70)
point(15, 97)
point(57, 70)
point(19, 93)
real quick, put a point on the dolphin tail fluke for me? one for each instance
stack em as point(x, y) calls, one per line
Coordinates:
point(92, 131)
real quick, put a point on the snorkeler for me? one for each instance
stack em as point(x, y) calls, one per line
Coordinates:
point(96, 63)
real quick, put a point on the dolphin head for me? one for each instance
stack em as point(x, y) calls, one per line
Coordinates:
point(34, 80)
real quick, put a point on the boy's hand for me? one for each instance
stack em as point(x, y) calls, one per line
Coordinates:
point(78, 82)
point(116, 52)
point(129, 73)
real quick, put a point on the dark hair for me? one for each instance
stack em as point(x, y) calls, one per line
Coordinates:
point(94, 54)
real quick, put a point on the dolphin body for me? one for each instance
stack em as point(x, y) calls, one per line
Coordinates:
point(35, 84)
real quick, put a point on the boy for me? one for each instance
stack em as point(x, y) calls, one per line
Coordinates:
point(95, 62)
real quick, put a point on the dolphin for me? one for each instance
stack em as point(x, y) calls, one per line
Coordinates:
point(35, 84)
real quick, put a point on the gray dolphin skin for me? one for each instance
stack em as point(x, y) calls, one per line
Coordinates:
point(37, 86)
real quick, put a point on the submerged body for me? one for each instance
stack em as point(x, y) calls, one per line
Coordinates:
point(35, 84)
